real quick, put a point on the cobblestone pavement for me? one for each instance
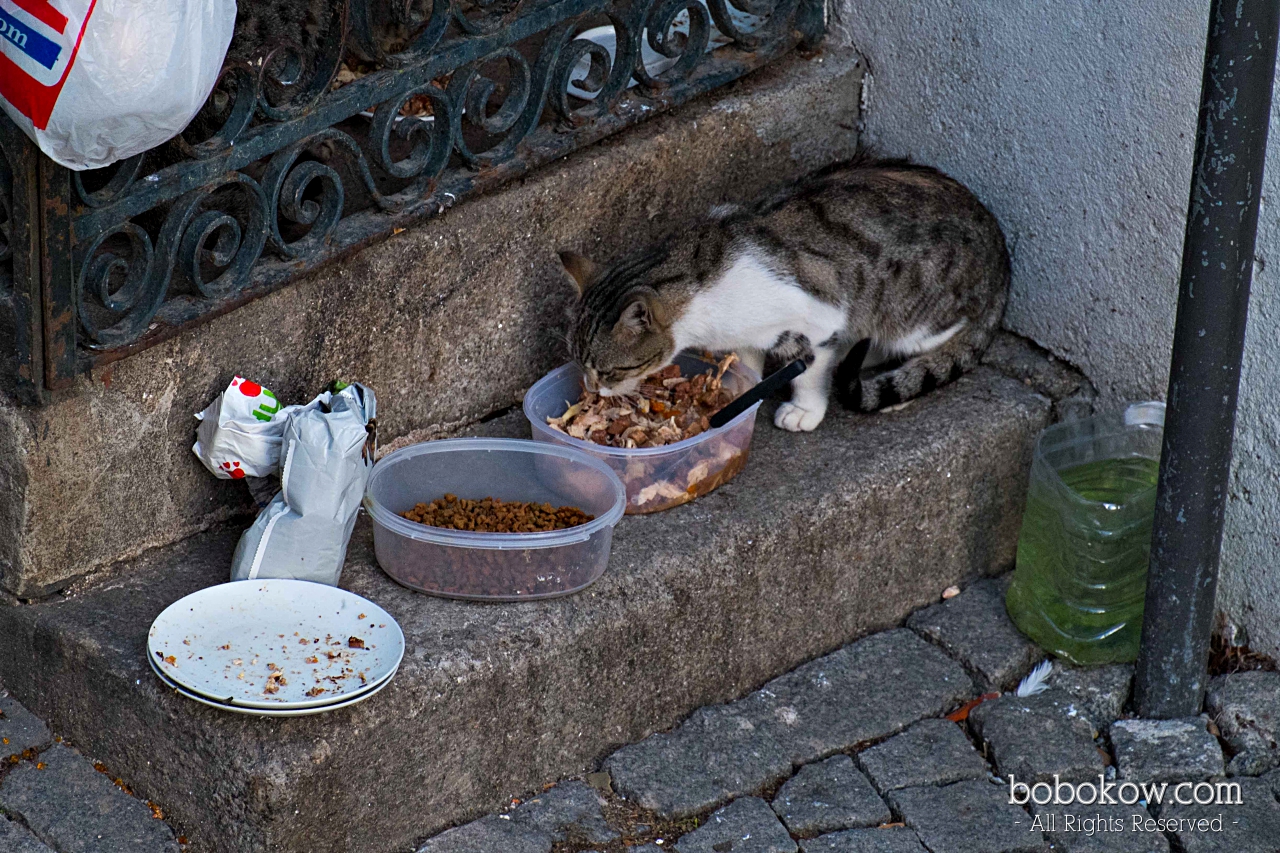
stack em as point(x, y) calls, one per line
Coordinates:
point(903, 742)
point(54, 800)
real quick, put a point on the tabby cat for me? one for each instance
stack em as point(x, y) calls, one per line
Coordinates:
point(865, 262)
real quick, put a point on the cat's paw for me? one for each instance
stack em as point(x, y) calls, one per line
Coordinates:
point(796, 418)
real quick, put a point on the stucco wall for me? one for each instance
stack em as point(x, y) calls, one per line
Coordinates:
point(1075, 123)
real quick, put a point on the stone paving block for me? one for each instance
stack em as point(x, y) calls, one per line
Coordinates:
point(1101, 690)
point(1165, 750)
point(891, 840)
point(967, 817)
point(932, 752)
point(490, 834)
point(829, 796)
point(746, 825)
point(714, 756)
point(865, 691)
point(75, 809)
point(1246, 707)
point(1098, 829)
point(569, 810)
point(1035, 737)
point(20, 729)
point(975, 629)
point(1273, 779)
point(1253, 826)
point(14, 838)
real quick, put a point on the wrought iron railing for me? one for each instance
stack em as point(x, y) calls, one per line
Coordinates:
point(399, 112)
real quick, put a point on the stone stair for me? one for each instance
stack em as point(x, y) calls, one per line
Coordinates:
point(823, 538)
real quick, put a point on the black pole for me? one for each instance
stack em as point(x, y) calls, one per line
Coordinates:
point(1208, 341)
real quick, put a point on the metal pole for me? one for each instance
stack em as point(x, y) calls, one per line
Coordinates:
point(1208, 341)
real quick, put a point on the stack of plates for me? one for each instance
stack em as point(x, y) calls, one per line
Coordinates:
point(275, 648)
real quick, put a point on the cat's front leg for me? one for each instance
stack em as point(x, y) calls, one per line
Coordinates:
point(752, 358)
point(810, 392)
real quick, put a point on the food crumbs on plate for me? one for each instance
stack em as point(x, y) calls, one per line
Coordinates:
point(315, 691)
point(237, 661)
point(361, 616)
point(241, 676)
point(355, 643)
point(302, 641)
point(274, 681)
point(171, 660)
point(226, 647)
point(312, 659)
point(186, 642)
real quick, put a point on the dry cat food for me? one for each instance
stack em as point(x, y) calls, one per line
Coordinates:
point(667, 408)
point(491, 515)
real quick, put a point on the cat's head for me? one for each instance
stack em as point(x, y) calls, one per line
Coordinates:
point(620, 327)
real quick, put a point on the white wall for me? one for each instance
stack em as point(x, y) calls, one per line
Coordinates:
point(1075, 123)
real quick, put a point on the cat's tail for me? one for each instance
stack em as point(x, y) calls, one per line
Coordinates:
point(921, 373)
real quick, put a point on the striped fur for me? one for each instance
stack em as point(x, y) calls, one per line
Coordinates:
point(865, 261)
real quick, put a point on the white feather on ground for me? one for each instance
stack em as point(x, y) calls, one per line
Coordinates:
point(1037, 681)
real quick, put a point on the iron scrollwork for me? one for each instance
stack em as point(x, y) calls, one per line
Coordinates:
point(403, 107)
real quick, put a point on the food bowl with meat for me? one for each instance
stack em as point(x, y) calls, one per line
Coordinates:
point(658, 440)
point(493, 519)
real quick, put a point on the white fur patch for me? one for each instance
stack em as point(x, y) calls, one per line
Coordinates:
point(922, 340)
point(750, 306)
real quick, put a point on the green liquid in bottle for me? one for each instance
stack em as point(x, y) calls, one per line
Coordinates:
point(1082, 558)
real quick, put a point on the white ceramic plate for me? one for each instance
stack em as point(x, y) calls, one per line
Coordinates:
point(222, 642)
point(269, 712)
point(226, 702)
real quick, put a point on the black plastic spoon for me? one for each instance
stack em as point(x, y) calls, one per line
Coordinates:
point(758, 392)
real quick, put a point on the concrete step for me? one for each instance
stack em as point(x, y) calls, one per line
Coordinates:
point(449, 322)
point(823, 538)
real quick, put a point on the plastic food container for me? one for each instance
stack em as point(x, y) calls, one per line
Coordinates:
point(656, 478)
point(492, 566)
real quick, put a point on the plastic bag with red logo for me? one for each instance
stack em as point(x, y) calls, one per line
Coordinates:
point(240, 433)
point(96, 81)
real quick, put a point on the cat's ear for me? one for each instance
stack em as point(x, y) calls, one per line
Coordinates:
point(582, 271)
point(642, 312)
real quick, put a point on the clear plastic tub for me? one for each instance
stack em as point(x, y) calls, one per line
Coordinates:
point(492, 566)
point(656, 478)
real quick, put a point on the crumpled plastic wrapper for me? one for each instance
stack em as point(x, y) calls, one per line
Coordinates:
point(327, 451)
point(240, 432)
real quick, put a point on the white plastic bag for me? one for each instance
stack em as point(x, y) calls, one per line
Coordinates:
point(96, 81)
point(240, 432)
point(328, 451)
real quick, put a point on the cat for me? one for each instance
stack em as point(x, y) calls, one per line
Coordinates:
point(865, 261)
